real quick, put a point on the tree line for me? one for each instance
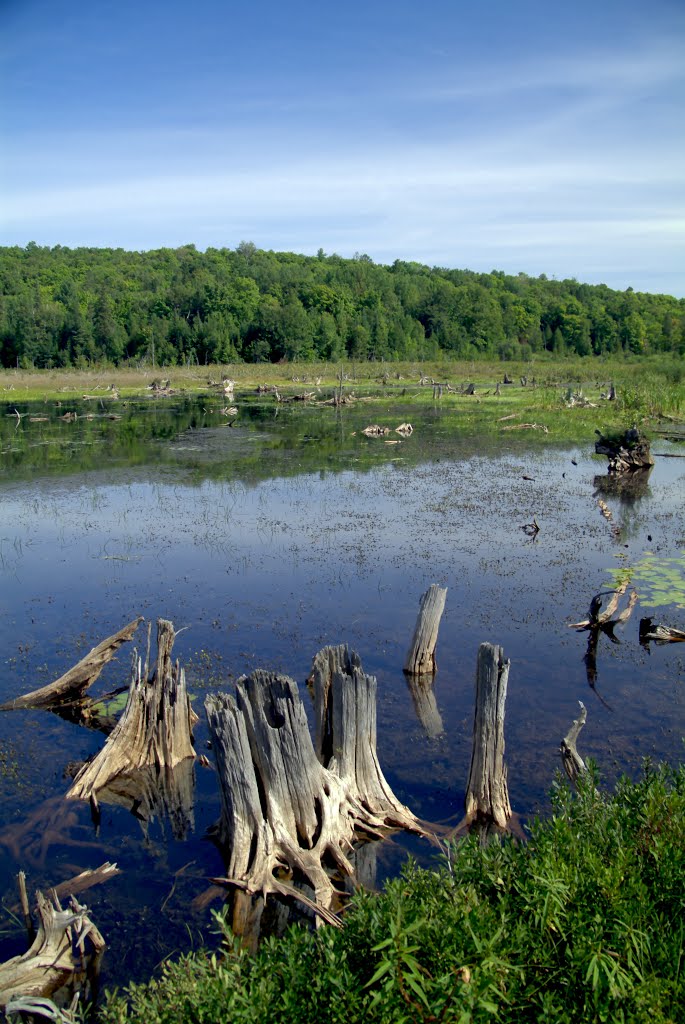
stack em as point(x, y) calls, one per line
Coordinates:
point(62, 307)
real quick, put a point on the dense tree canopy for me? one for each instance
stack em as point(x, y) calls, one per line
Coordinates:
point(76, 307)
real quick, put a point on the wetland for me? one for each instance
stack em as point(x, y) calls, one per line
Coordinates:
point(267, 536)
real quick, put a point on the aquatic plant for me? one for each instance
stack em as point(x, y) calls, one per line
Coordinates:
point(660, 581)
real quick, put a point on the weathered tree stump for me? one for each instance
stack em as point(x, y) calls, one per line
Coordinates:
point(574, 766)
point(155, 728)
point(487, 794)
point(65, 939)
point(292, 810)
point(73, 684)
point(420, 660)
point(626, 452)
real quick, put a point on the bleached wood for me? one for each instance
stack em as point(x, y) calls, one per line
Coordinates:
point(650, 630)
point(487, 794)
point(571, 759)
point(420, 658)
point(63, 939)
point(292, 809)
point(74, 683)
point(155, 728)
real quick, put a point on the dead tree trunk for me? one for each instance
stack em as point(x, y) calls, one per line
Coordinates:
point(420, 658)
point(574, 766)
point(65, 938)
point(155, 728)
point(73, 684)
point(290, 812)
point(487, 795)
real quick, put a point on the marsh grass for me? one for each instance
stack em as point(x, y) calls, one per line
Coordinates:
point(583, 923)
point(650, 386)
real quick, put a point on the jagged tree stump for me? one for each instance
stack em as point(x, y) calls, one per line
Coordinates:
point(574, 766)
point(627, 452)
point(487, 794)
point(292, 809)
point(64, 939)
point(155, 728)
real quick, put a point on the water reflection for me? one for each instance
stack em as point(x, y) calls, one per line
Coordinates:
point(628, 487)
point(267, 546)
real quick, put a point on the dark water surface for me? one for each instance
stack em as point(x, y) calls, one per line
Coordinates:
point(266, 541)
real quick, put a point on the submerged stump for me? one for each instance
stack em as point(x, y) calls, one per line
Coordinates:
point(155, 728)
point(292, 809)
point(65, 941)
point(487, 794)
point(574, 766)
point(420, 660)
point(627, 451)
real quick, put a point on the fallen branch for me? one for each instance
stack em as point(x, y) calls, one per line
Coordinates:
point(74, 683)
point(659, 634)
point(604, 619)
point(528, 426)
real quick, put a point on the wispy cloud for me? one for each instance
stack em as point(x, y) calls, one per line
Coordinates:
point(556, 165)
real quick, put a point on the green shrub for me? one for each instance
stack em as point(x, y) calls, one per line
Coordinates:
point(584, 922)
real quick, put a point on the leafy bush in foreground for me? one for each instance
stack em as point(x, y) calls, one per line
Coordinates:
point(585, 922)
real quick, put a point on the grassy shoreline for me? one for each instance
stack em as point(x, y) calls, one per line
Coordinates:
point(583, 923)
point(648, 389)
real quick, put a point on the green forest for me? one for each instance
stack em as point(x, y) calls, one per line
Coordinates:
point(62, 307)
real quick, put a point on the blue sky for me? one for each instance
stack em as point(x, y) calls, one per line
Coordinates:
point(516, 136)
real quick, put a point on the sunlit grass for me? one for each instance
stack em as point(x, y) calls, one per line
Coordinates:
point(646, 389)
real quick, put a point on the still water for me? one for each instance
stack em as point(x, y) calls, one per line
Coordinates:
point(264, 542)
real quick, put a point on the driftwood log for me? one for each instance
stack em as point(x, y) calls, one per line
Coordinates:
point(420, 660)
point(155, 728)
point(71, 687)
point(574, 766)
point(487, 794)
point(292, 810)
point(628, 452)
point(66, 940)
point(649, 630)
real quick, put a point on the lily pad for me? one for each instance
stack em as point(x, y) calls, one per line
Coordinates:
point(659, 581)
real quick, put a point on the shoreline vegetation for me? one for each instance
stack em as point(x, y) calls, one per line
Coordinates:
point(564, 398)
point(581, 923)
